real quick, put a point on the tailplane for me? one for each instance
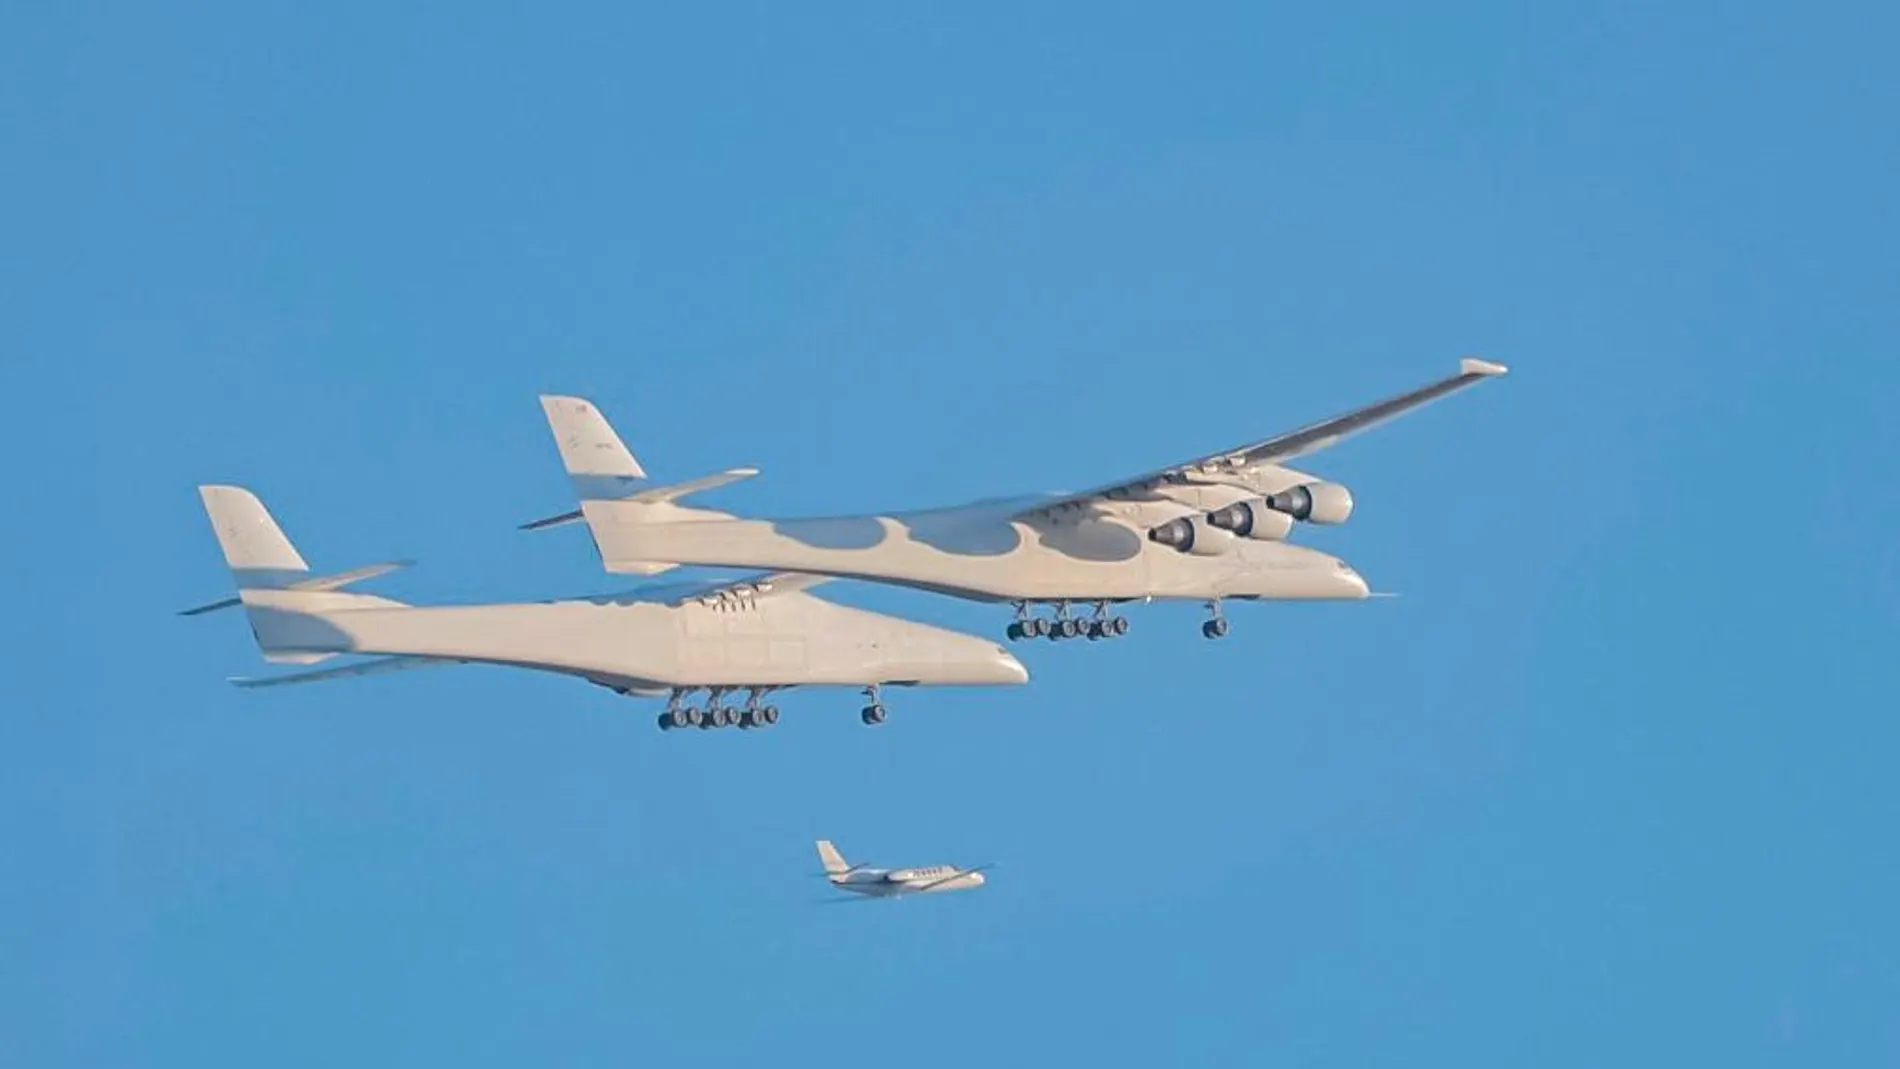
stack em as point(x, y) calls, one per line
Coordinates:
point(602, 468)
point(284, 602)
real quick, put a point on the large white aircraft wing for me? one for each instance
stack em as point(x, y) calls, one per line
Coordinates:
point(755, 586)
point(374, 667)
point(1308, 439)
point(748, 587)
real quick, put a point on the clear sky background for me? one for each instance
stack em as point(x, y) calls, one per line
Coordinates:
point(1612, 783)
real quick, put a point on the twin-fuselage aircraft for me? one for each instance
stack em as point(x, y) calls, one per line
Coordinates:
point(1210, 529)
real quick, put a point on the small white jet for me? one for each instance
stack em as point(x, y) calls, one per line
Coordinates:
point(1207, 529)
point(890, 883)
point(759, 635)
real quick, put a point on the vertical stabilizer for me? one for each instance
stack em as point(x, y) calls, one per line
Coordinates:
point(286, 607)
point(255, 548)
point(598, 463)
point(602, 468)
point(834, 861)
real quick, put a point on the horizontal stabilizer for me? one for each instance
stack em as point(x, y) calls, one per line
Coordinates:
point(658, 494)
point(551, 521)
point(321, 582)
point(652, 495)
point(379, 666)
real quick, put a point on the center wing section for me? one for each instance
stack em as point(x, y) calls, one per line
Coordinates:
point(728, 591)
point(1222, 466)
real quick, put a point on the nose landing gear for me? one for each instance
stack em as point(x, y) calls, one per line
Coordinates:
point(874, 713)
point(1216, 627)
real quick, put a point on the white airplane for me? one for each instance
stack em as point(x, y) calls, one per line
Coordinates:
point(1207, 529)
point(759, 635)
point(890, 883)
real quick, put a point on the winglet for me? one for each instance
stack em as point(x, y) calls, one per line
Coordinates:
point(1471, 365)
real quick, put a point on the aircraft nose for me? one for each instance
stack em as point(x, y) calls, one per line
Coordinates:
point(1352, 584)
point(1008, 669)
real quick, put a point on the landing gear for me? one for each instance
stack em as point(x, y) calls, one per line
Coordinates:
point(1105, 626)
point(1217, 626)
point(872, 714)
point(755, 715)
point(1062, 625)
point(716, 715)
point(1026, 626)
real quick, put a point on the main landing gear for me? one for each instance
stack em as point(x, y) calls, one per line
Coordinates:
point(874, 713)
point(1062, 625)
point(715, 714)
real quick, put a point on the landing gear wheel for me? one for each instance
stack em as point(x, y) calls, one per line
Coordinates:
point(689, 717)
point(1215, 628)
point(748, 718)
point(872, 714)
point(1095, 629)
point(768, 715)
point(1118, 626)
point(1035, 627)
point(1016, 632)
point(666, 721)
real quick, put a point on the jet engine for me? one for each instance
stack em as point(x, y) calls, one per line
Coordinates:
point(1193, 534)
point(1327, 503)
point(1253, 518)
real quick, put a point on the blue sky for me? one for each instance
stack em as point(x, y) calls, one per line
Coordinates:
point(1611, 783)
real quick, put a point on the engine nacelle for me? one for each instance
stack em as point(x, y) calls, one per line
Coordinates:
point(1193, 534)
point(1253, 518)
point(1314, 502)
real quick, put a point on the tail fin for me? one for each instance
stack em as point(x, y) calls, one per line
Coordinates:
point(284, 603)
point(834, 861)
point(259, 554)
point(601, 468)
point(598, 463)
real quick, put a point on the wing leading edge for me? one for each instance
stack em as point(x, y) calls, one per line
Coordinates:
point(1308, 439)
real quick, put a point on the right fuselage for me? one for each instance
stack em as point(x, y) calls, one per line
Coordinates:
point(990, 551)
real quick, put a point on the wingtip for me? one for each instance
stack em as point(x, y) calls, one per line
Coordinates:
point(1471, 365)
